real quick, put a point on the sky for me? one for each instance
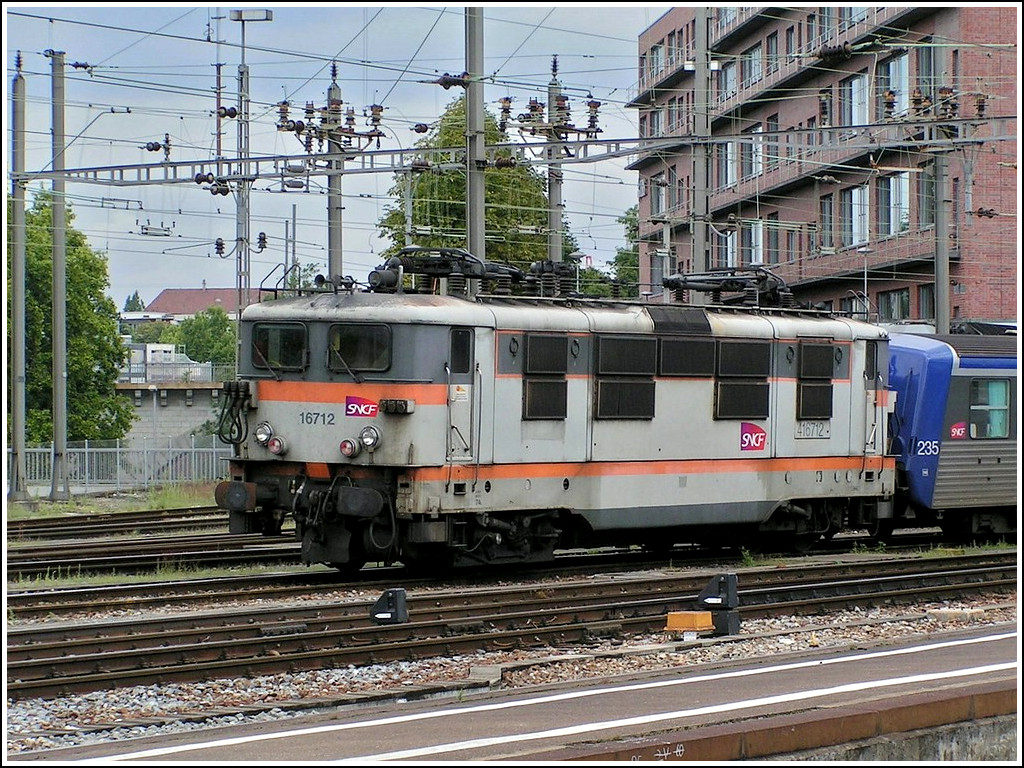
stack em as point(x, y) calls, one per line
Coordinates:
point(136, 75)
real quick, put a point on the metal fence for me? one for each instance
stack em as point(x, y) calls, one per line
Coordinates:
point(119, 465)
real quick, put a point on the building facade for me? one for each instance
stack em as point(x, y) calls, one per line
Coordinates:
point(859, 153)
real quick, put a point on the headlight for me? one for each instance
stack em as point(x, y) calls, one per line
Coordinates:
point(277, 446)
point(263, 433)
point(369, 437)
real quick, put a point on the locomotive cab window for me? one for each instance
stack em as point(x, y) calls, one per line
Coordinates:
point(279, 346)
point(359, 348)
point(460, 357)
point(990, 409)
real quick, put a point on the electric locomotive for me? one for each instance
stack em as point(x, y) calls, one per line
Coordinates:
point(954, 432)
point(438, 428)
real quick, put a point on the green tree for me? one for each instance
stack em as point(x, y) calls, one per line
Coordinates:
point(95, 352)
point(625, 267)
point(134, 303)
point(207, 336)
point(515, 201)
point(149, 333)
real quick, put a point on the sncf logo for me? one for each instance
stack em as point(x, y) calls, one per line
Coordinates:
point(958, 431)
point(752, 437)
point(360, 406)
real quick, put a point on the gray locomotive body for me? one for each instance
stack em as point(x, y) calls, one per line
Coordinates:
point(437, 430)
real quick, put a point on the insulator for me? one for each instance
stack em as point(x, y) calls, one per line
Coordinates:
point(446, 80)
point(502, 285)
point(261, 241)
point(204, 178)
point(980, 102)
point(456, 285)
point(233, 111)
point(420, 128)
point(561, 116)
point(423, 284)
point(890, 103)
point(154, 146)
point(548, 282)
point(681, 296)
point(566, 284)
point(218, 246)
point(505, 162)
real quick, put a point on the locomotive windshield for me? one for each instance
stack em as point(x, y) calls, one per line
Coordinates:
point(359, 348)
point(279, 346)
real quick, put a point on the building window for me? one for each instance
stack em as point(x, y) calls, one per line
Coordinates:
point(656, 123)
point(894, 79)
point(926, 301)
point(926, 69)
point(926, 196)
point(658, 187)
point(772, 238)
point(655, 60)
point(771, 53)
point(893, 204)
point(726, 251)
point(826, 221)
point(848, 16)
point(894, 305)
point(752, 154)
point(792, 245)
point(792, 45)
point(727, 81)
point(751, 66)
point(853, 100)
point(853, 213)
point(772, 128)
point(752, 248)
point(726, 164)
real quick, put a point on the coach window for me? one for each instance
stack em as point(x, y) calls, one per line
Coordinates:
point(625, 376)
point(990, 408)
point(545, 389)
point(279, 346)
point(359, 348)
point(741, 384)
point(814, 384)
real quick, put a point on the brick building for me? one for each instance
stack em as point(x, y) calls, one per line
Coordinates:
point(851, 150)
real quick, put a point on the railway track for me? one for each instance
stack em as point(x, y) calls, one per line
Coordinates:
point(64, 658)
point(87, 546)
point(94, 525)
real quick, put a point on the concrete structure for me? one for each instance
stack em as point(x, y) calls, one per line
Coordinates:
point(863, 154)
